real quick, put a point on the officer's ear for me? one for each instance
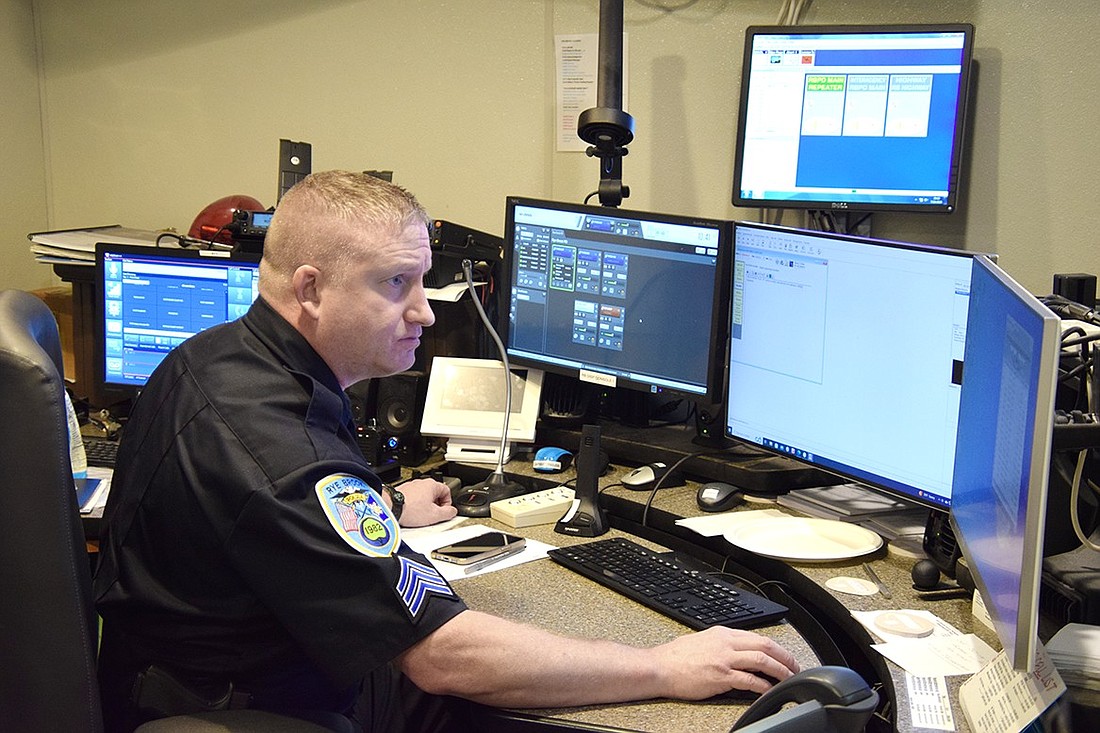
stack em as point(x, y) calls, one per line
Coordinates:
point(305, 282)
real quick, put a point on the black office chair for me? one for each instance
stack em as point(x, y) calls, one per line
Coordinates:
point(48, 628)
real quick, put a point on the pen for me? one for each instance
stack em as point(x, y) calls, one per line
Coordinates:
point(474, 567)
point(876, 580)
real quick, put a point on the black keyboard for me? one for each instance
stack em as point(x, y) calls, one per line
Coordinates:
point(667, 584)
point(101, 451)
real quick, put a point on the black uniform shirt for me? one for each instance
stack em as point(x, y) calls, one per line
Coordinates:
point(244, 532)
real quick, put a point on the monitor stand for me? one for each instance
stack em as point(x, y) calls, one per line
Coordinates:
point(750, 468)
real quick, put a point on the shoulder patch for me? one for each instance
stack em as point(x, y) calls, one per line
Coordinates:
point(358, 514)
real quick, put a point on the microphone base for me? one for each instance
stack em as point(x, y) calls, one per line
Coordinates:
point(474, 500)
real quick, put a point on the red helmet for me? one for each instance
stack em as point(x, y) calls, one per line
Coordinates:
point(213, 220)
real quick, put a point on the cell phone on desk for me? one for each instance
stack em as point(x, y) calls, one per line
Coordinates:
point(480, 548)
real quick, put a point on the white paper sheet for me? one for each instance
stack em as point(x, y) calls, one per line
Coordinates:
point(938, 656)
point(425, 541)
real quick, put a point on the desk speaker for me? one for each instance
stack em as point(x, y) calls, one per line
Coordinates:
point(379, 450)
point(399, 408)
point(363, 397)
point(939, 542)
point(709, 427)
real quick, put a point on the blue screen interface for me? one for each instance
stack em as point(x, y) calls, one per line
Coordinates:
point(154, 302)
point(855, 118)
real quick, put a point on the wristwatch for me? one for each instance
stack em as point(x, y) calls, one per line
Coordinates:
point(397, 500)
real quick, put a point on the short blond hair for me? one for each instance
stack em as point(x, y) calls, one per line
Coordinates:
point(322, 219)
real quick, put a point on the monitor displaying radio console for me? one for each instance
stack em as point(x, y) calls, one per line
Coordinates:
point(617, 298)
point(151, 299)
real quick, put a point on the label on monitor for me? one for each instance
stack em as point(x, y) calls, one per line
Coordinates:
point(607, 380)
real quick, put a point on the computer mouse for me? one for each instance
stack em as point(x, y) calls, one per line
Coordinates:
point(718, 496)
point(644, 477)
point(552, 459)
point(639, 477)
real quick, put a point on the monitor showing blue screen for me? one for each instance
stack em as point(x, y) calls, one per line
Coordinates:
point(847, 353)
point(153, 298)
point(852, 117)
point(617, 298)
point(1002, 460)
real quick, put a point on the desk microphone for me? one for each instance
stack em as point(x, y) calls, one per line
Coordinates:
point(474, 500)
point(585, 518)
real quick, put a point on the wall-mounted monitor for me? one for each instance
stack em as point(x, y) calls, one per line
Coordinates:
point(846, 353)
point(150, 299)
point(1002, 461)
point(864, 118)
point(617, 298)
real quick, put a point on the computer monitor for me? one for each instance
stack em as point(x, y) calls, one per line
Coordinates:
point(846, 353)
point(621, 299)
point(153, 298)
point(852, 117)
point(1002, 460)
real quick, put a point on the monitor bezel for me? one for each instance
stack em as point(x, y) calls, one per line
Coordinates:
point(956, 178)
point(853, 474)
point(1019, 635)
point(115, 391)
point(604, 379)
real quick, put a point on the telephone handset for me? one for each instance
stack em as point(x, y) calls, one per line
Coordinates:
point(828, 699)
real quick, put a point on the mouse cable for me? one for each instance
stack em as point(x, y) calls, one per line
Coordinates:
point(743, 581)
point(669, 472)
point(789, 600)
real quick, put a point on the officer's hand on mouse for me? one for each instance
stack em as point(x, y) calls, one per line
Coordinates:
point(712, 662)
point(427, 501)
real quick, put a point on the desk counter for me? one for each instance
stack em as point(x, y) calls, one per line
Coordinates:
point(549, 596)
point(818, 630)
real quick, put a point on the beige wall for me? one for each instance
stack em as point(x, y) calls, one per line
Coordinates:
point(22, 162)
point(154, 109)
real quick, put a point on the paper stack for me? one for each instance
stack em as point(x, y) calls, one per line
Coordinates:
point(843, 501)
point(1075, 651)
point(899, 522)
point(77, 246)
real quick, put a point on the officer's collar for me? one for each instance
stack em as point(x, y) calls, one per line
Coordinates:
point(287, 344)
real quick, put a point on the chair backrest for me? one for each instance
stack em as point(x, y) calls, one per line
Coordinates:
point(47, 619)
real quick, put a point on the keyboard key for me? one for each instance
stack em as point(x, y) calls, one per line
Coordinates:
point(101, 451)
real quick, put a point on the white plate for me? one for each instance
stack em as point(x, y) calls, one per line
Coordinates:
point(804, 539)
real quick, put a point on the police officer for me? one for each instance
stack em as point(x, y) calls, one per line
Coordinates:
point(251, 558)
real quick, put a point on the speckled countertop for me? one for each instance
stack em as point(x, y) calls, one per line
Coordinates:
point(549, 596)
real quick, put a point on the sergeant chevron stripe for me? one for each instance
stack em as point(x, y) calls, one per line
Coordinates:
point(417, 582)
